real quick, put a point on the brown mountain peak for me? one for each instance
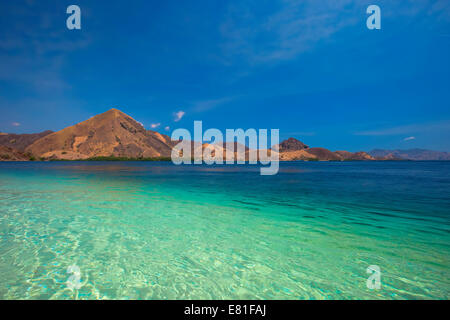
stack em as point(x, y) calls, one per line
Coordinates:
point(115, 112)
point(112, 133)
point(112, 113)
point(292, 144)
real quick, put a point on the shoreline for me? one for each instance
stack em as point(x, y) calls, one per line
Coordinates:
point(169, 160)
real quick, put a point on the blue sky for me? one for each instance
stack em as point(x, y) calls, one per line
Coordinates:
point(310, 68)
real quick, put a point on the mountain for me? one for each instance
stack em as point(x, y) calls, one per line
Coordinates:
point(112, 133)
point(291, 144)
point(293, 149)
point(361, 155)
point(115, 134)
point(410, 154)
point(20, 142)
point(324, 154)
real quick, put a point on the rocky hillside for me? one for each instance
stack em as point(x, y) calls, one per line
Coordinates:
point(10, 154)
point(115, 134)
point(361, 155)
point(20, 142)
point(291, 144)
point(112, 133)
point(293, 149)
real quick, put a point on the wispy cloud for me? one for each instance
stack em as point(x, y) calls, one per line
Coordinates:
point(15, 124)
point(179, 115)
point(300, 133)
point(206, 105)
point(407, 129)
point(155, 125)
point(35, 57)
point(167, 128)
point(409, 138)
point(296, 26)
point(293, 28)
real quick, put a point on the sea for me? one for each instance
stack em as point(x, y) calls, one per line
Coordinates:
point(154, 230)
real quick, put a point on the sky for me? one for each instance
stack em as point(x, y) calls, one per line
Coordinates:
point(310, 68)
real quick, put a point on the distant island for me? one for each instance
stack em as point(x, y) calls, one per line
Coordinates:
point(113, 135)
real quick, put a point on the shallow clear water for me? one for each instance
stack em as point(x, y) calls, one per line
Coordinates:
point(149, 230)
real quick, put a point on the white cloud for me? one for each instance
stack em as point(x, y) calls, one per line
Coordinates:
point(15, 124)
point(409, 138)
point(179, 115)
point(167, 128)
point(155, 125)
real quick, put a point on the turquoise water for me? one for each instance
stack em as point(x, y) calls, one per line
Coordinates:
point(149, 230)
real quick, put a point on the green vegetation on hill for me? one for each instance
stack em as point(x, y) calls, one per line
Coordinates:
point(112, 158)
